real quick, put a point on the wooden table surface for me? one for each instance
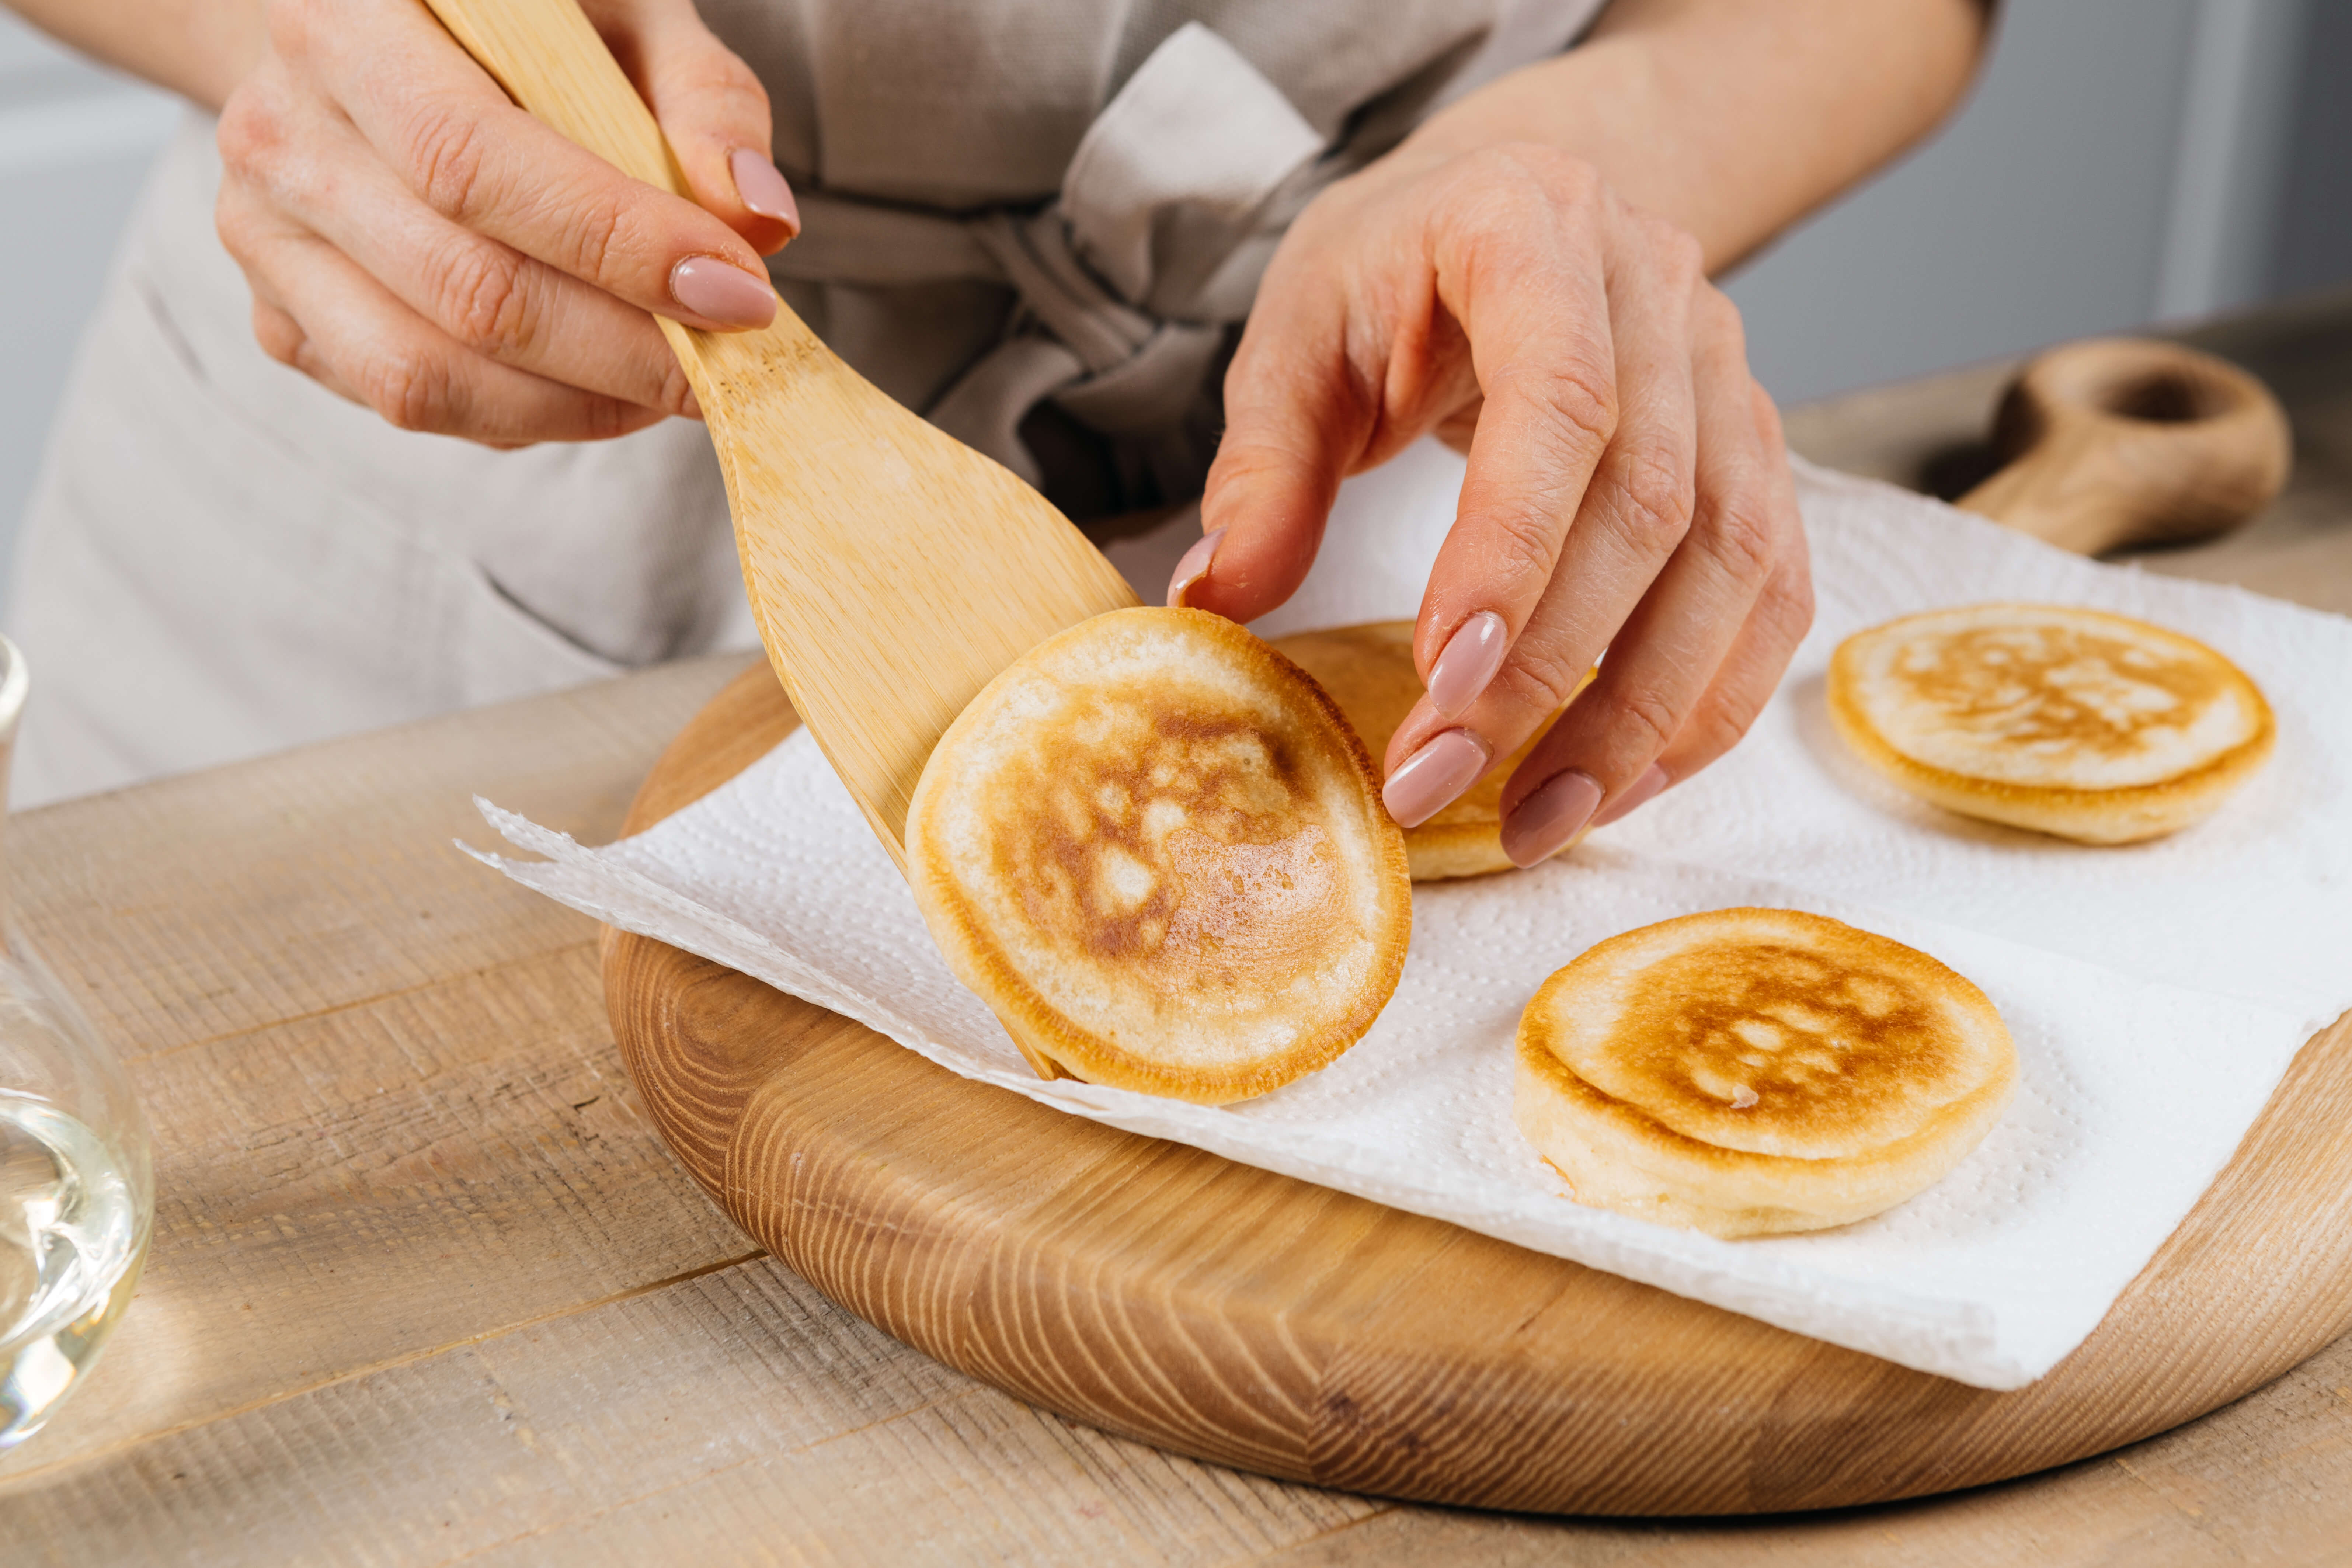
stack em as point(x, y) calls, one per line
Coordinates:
point(426, 1288)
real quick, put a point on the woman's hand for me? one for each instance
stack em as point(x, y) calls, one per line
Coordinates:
point(1628, 490)
point(421, 246)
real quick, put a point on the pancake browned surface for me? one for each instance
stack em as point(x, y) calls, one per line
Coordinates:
point(1748, 1071)
point(1153, 846)
point(1369, 671)
point(2075, 723)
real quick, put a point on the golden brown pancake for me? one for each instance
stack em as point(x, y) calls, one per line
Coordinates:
point(2070, 721)
point(1751, 1071)
point(1369, 671)
point(1155, 848)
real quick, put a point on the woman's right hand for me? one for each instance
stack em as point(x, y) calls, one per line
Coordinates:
point(419, 245)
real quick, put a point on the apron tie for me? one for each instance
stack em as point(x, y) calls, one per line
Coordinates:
point(1126, 283)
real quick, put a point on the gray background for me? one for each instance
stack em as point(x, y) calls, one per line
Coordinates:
point(2121, 162)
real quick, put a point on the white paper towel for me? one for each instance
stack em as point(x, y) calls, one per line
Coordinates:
point(2155, 993)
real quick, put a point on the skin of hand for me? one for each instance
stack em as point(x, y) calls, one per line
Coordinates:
point(1628, 490)
point(421, 246)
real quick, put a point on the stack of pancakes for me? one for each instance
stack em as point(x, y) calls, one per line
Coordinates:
point(1369, 671)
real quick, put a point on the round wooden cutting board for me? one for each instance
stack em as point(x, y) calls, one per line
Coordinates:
point(1260, 1321)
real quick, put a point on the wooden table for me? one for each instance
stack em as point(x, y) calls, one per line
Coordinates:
point(426, 1288)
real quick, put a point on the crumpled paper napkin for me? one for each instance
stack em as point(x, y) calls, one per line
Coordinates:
point(2155, 993)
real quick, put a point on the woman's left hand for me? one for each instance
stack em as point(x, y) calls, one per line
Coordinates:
point(1628, 488)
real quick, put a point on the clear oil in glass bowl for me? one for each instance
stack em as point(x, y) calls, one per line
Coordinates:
point(70, 1248)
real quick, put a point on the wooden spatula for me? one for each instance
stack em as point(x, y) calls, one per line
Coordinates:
point(893, 569)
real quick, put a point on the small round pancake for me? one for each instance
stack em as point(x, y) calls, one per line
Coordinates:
point(2073, 723)
point(1154, 847)
point(1368, 672)
point(1745, 1072)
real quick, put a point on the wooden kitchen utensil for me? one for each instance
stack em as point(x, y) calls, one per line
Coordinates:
point(1261, 1321)
point(2117, 441)
point(893, 569)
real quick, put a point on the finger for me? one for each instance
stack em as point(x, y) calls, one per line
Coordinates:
point(489, 297)
point(1598, 760)
point(456, 142)
point(1751, 672)
point(282, 339)
point(1565, 347)
point(1627, 524)
point(362, 340)
point(254, 233)
point(1294, 422)
point(715, 114)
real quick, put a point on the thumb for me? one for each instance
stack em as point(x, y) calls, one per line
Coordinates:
point(715, 114)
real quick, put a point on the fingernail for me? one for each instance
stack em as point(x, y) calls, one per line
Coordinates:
point(1193, 567)
point(1547, 821)
point(1467, 663)
point(763, 188)
point(720, 292)
point(1428, 781)
point(693, 409)
point(1638, 793)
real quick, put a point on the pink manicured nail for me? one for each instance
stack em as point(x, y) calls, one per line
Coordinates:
point(720, 292)
point(1193, 567)
point(1549, 819)
point(763, 188)
point(1467, 663)
point(1641, 792)
point(1429, 780)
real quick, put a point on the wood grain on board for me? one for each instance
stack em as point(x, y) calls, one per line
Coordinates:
point(427, 1288)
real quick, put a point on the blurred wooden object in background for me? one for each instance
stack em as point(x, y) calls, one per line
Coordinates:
point(2116, 442)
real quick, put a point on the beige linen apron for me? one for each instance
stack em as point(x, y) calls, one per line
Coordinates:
point(1037, 222)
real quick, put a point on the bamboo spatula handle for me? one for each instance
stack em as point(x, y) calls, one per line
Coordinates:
point(2117, 441)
